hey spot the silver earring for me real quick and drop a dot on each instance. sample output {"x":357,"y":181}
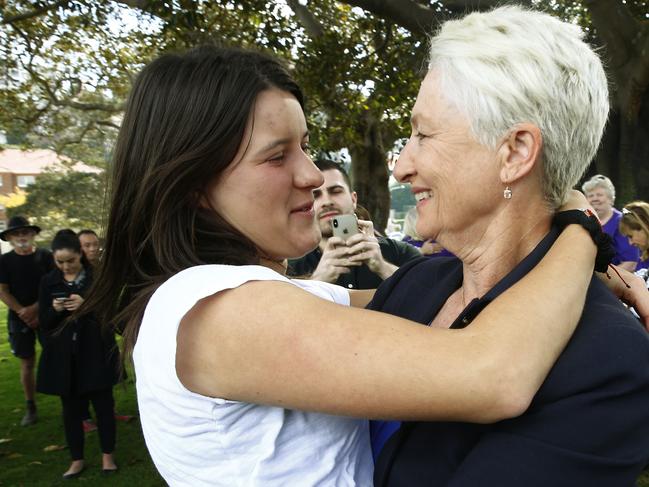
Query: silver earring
{"x":507,"y":194}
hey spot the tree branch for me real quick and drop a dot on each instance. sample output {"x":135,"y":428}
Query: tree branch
{"x":107,"y":123}
{"x":33,"y":13}
{"x":65,"y":141}
{"x":423,"y":20}
{"x":56,"y":101}
{"x":616,"y":27}
{"x":411,"y":15}
{"x":626,"y":41}
{"x":306,"y":19}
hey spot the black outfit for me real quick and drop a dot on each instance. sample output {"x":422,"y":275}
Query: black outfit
{"x":588,"y":425}
{"x":79,"y":363}
{"x":23,"y":273}
{"x":361,"y":277}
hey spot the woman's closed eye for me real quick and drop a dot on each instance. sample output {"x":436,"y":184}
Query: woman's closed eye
{"x":276,"y":158}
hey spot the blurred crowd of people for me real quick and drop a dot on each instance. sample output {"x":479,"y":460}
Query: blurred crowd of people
{"x":629,"y":227}
{"x":79,"y":361}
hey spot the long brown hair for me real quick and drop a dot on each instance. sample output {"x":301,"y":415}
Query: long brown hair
{"x":184,"y":123}
{"x":635,"y":216}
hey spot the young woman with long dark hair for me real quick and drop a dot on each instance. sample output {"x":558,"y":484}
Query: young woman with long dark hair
{"x":80,"y":358}
{"x":211,"y":192}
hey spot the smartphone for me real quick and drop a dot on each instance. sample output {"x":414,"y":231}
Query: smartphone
{"x":61,"y":295}
{"x":344,"y":226}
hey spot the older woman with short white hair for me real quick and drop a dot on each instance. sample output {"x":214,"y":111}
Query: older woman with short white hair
{"x":600,"y":192}
{"x":507,"y":119}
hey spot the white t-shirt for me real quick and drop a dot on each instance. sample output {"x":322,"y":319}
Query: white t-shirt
{"x":197,"y":440}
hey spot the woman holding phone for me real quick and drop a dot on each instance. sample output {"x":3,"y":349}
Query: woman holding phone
{"x":241,"y":370}
{"x":80,"y":359}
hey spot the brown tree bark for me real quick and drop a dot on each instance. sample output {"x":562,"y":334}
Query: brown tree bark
{"x":369,"y":171}
{"x":626,"y":46}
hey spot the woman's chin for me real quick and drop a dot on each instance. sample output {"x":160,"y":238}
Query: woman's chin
{"x":305,"y":246}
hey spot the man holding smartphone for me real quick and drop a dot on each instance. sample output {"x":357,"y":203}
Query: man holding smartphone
{"x":359,"y":261}
{"x":20,"y":275}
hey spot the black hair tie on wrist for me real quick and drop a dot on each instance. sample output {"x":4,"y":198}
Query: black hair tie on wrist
{"x":587,"y":219}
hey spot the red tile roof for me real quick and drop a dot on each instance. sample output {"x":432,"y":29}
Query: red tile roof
{"x":18,"y":161}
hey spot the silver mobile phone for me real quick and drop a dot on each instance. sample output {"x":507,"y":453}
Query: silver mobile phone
{"x":344,"y":226}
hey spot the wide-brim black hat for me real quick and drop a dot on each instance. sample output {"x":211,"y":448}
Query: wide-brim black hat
{"x":17,"y":223}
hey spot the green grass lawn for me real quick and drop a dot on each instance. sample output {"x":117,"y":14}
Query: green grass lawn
{"x":23,"y":460}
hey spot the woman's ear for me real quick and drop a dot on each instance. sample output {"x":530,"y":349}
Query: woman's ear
{"x":520,"y":152}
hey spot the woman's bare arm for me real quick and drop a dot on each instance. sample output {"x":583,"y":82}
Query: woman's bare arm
{"x":272,"y":343}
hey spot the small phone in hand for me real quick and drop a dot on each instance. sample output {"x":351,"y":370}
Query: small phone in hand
{"x":61,"y":295}
{"x":344,"y":226}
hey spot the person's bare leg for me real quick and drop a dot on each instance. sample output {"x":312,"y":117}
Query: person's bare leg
{"x":108,"y":462}
{"x":75,"y":468}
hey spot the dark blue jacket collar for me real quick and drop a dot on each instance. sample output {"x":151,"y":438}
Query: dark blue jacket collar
{"x":527,"y":264}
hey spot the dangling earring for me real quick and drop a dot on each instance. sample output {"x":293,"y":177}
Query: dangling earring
{"x":507,"y":194}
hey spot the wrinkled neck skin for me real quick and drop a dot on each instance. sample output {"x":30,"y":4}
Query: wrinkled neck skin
{"x":491,"y":248}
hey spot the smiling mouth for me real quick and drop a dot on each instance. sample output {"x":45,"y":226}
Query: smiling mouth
{"x":304,"y":209}
{"x":423,"y":195}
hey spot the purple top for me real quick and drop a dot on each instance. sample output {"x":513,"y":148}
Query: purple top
{"x":419,"y":243}
{"x":642,"y":264}
{"x":624,"y":251}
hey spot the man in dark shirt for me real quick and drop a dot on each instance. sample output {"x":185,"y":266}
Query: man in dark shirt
{"x":20,"y":275}
{"x":332,"y":260}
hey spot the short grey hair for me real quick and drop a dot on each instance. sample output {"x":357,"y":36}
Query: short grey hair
{"x":512,"y":65}
{"x":600,"y":181}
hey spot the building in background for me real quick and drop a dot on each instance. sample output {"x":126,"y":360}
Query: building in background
{"x":21,"y":168}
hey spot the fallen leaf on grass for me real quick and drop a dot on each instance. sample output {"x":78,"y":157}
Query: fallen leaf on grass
{"x":17,"y":410}
{"x":35,"y":463}
{"x":54,"y":448}
{"x":4,"y":440}
{"x":14,"y":455}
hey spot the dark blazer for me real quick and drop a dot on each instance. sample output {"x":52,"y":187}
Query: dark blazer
{"x":77,"y":357}
{"x":588,"y":425}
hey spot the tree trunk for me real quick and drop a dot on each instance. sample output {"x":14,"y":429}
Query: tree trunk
{"x":369,"y":172}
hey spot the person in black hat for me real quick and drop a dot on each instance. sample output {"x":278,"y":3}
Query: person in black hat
{"x":20,"y":275}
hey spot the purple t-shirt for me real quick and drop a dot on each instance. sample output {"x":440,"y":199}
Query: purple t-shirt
{"x":624,"y":251}
{"x":419,"y":243}
{"x":642,"y":264}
